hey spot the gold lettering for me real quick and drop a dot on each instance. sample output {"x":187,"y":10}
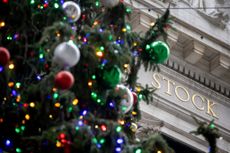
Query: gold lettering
{"x":156,"y":78}
{"x":185,"y":91}
{"x":194,"y":102}
{"x":210,"y":106}
{"x":169,"y":85}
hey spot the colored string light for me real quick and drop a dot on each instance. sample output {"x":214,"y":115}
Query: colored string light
{"x":138,"y":151}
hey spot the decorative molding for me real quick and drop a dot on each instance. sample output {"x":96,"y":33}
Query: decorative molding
{"x":198,"y":78}
{"x":220,"y":65}
{"x":193,"y":51}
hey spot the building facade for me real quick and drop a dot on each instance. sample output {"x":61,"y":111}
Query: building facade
{"x":195,"y":81}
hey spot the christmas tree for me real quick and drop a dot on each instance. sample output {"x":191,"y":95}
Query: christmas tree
{"x":68,"y":76}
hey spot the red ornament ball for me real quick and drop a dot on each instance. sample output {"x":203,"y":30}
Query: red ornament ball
{"x":4,"y":56}
{"x":64,"y":80}
{"x":135,"y":98}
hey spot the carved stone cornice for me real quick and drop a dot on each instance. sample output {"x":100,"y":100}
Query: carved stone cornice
{"x":215,"y":89}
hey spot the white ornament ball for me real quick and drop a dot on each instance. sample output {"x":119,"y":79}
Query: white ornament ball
{"x":110,"y":3}
{"x":66,"y":54}
{"x":72,"y":11}
{"x":127,"y":99}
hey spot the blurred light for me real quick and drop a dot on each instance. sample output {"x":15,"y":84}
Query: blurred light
{"x":57,"y":105}
{"x":17,"y":130}
{"x":58,"y":144}
{"x":80,"y":123}
{"x":90,"y":83}
{"x":152,"y":23}
{"x":62,"y":135}
{"x":93,"y":77}
{"x":98,"y":145}
{"x":75,"y":102}
{"x":99,"y":54}
{"x":27,"y":117}
{"x":11,"y":66}
{"x":32,"y":2}
{"x":55,"y":96}
{"x":126,"y":66}
{"x":38,"y":77}
{"x":111,"y":104}
{"x":32,"y":104}
{"x":7,"y":143}
{"x":119,"y":128}
{"x":14,"y":93}
{"x":122,"y":122}
{"x":102,"y":141}
{"x":84,"y":112}
{"x":1,"y":68}
{"x":18,"y":150}
{"x":103,"y":127}
{"x":11,"y":84}
{"x":138,"y":151}
{"x":120,"y":141}
{"x":18,"y":85}
{"x":56,"y":5}
{"x":2,"y":24}
{"x":5,"y":1}
{"x":118,"y":149}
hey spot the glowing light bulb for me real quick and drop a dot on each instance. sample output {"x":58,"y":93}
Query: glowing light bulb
{"x":134,"y":113}
{"x":62,"y":135}
{"x":2,"y":24}
{"x":58,"y":144}
{"x":75,"y":102}
{"x":103,"y":128}
{"x":50,"y":116}
{"x":32,"y":104}
{"x":120,"y":141}
{"x":118,"y":149}
{"x":27,"y":117}
{"x":1,"y":120}
{"x":57,"y":105}
{"x":126,"y":66}
{"x":99,"y":54}
{"x":18,"y":150}
{"x":11,"y":84}
{"x":90,"y":83}
{"x":138,"y":151}
{"x":56,"y":5}
{"x":8,"y":142}
{"x":11,"y":66}
{"x":119,"y":128}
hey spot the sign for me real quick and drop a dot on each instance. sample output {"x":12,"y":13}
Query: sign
{"x":184,"y":95}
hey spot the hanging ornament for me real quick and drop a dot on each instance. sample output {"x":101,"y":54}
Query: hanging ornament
{"x":127,"y":98}
{"x":133,"y":127}
{"x":110,"y":76}
{"x":4,"y":56}
{"x":135,"y":98}
{"x":159,"y":51}
{"x":64,"y":80}
{"x":110,"y":3}
{"x":66,"y":54}
{"x":72,"y":10}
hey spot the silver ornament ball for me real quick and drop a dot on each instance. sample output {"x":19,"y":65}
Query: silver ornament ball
{"x":72,"y":10}
{"x":66,"y":54}
{"x":127,"y":101}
